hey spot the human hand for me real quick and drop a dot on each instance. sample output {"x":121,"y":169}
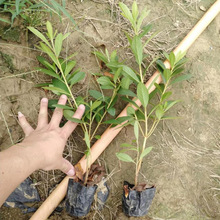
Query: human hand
{"x":45,"y":144}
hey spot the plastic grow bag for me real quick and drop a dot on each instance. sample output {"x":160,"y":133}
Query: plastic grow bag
{"x":137,"y":203}
{"x":79,"y":198}
{"x":102,"y":195}
{"x":26,"y":192}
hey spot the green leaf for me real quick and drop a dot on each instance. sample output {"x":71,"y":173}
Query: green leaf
{"x":59,"y":84}
{"x":47,"y":50}
{"x":130,"y":110}
{"x":124,"y":157}
{"x":66,"y":35}
{"x":96,"y":104}
{"x":126,"y":92}
{"x":117,"y":74}
{"x":101,"y":56}
{"x":137,"y":49}
{"x":136,"y":130}
{"x":76,"y":78}
{"x":62,"y":106}
{"x":58,"y":44}
{"x":159,"y":87}
{"x":39,"y":35}
{"x":167,"y":74}
{"x":126,"y":145}
{"x":52,"y":88}
{"x":58,"y":7}
{"x":181,"y":78}
{"x":69,"y":67}
{"x":104,"y":81}
{"x":144,"y":14}
{"x":49,"y":72}
{"x":171,"y":104}
{"x":142,"y":94}
{"x":130,"y":101}
{"x":129,"y":38}
{"x":134,"y":11}
{"x":118,"y":120}
{"x":160,"y":65}
{"x":52,"y":102}
{"x":111,"y":111}
{"x":126,"y":13}
{"x":68,"y":113}
{"x":180,"y":55}
{"x":166,"y":95}
{"x":159,"y":112}
{"x":97,"y":137}
{"x":87,"y":139}
{"x":42,"y":84}
{"x":172,"y":59}
{"x":3,"y":20}
{"x":43,"y":61}
{"x":140,"y":115}
{"x":17,"y":4}
{"x":145,"y":152}
{"x":75,"y":120}
{"x":125,"y":82}
{"x":166,"y":55}
{"x":129,"y":72}
{"x":96,"y":94}
{"x":145,"y":30}
{"x":177,"y":71}
{"x":49,"y":30}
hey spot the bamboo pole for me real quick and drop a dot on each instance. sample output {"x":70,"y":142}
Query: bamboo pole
{"x":100,"y":145}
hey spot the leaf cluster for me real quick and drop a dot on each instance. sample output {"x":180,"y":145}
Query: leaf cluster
{"x":30,"y":10}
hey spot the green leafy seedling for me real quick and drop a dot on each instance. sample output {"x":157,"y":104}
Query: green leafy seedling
{"x":65,"y":76}
{"x":155,"y":112}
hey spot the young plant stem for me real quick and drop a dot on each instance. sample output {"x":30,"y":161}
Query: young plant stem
{"x":100,"y":122}
{"x":87,"y":168}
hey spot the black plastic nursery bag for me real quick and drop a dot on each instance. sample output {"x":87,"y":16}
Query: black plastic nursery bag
{"x":26,"y":192}
{"x":79,"y":198}
{"x":137,"y":203}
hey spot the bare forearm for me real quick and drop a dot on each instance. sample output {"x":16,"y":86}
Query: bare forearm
{"x":16,"y":165}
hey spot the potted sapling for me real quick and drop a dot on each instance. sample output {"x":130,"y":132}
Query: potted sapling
{"x":81,"y":190}
{"x":137,"y":196}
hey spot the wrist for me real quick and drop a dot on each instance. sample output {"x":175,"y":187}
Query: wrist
{"x":27,"y":156}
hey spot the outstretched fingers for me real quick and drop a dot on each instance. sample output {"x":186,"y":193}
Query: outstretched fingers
{"x":43,"y":114}
{"x":24,"y":124}
{"x":58,"y":112}
{"x":69,"y":127}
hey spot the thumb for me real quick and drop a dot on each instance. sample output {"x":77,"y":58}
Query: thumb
{"x":67,"y":167}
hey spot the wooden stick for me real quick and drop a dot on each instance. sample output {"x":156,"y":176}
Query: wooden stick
{"x":59,"y":193}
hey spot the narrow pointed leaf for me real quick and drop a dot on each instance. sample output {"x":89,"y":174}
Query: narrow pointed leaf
{"x":145,"y":152}
{"x":39,"y":35}
{"x":58,"y":44}
{"x":77,"y":77}
{"x":142,"y":94}
{"x":124,"y":157}
{"x":49,"y":72}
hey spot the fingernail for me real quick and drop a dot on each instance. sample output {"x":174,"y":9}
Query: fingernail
{"x":63,"y":96}
{"x":20,"y":115}
{"x":81,"y":106}
{"x":71,"y":172}
{"x":44,"y":100}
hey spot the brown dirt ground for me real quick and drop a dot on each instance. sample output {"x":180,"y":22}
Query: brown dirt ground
{"x":185,"y":161}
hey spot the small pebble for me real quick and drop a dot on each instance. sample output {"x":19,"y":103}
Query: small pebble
{"x":202,"y":8}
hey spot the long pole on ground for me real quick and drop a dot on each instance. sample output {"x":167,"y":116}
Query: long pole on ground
{"x":59,"y":193}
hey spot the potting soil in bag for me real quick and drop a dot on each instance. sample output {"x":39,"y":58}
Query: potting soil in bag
{"x":136,"y":203}
{"x":79,"y":198}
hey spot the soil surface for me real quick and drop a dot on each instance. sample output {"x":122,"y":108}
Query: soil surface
{"x":184,"y":164}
